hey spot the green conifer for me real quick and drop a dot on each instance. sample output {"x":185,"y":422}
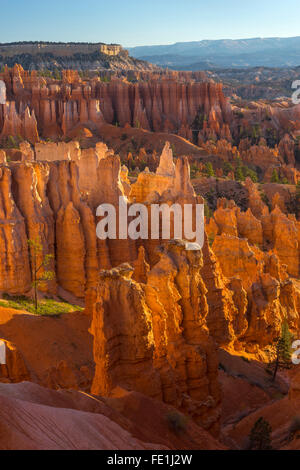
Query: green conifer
{"x":260,"y":436}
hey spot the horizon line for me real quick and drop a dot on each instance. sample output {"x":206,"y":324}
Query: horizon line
{"x":148,"y":45}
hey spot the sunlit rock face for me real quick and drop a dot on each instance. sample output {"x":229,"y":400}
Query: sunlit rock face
{"x":56,"y":199}
{"x":153,"y":337}
{"x":158,"y":103}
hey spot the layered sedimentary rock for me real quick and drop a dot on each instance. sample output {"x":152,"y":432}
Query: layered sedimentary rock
{"x":22,"y":123}
{"x":249,"y":227}
{"x":166,"y":165}
{"x":57,"y":201}
{"x":153,"y":337}
{"x":226,"y":318}
{"x":238,"y":240}
{"x":263,"y":155}
{"x":14,"y":370}
{"x":77,"y":248}
{"x":284,"y":234}
{"x":2,"y":156}
{"x":56,"y":108}
{"x":42,"y":202}
{"x":70,"y":250}
{"x":15,"y":276}
{"x":29,"y":190}
{"x":141,"y":267}
{"x":237,"y":259}
{"x":181,"y":103}
{"x":226,"y":313}
{"x":50,"y":151}
{"x":261,"y":228}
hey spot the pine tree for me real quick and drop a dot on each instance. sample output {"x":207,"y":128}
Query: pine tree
{"x":275,"y":177}
{"x":238,"y":174}
{"x":248,"y":172}
{"x":260,"y":436}
{"x":209,"y":170}
{"x":36,"y":254}
{"x":283,"y":350}
{"x":227,"y":168}
{"x":287,"y":339}
{"x":207,"y":212}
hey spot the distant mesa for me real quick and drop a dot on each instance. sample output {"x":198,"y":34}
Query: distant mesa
{"x":66,"y":49}
{"x":71,"y":55}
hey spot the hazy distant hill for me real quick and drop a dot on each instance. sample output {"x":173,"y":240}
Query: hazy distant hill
{"x":201,"y":55}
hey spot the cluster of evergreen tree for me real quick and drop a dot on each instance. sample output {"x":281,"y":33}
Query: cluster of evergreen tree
{"x":242,"y":172}
{"x":276,"y":179}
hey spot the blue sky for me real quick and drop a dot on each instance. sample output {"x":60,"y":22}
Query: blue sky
{"x":145,"y":22}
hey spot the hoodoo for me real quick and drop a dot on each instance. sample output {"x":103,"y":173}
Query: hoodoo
{"x":149,"y":237}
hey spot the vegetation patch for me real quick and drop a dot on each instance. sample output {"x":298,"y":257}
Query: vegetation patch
{"x":46,"y":307}
{"x":260,"y":436}
{"x":177,"y":422}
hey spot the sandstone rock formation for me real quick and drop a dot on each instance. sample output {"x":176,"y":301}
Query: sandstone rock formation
{"x":2,"y":156}
{"x":164,"y":349}
{"x":166,"y":165}
{"x":163,"y":104}
{"x":269,"y":295}
{"x":15,"y":370}
{"x":226,"y":316}
{"x":14,"y":265}
{"x":160,"y":316}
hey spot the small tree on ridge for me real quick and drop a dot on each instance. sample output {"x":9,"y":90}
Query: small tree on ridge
{"x":39,"y":278}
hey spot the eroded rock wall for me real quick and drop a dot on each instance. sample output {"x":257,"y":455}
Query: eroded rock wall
{"x":153,"y":337}
{"x":51,"y":108}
